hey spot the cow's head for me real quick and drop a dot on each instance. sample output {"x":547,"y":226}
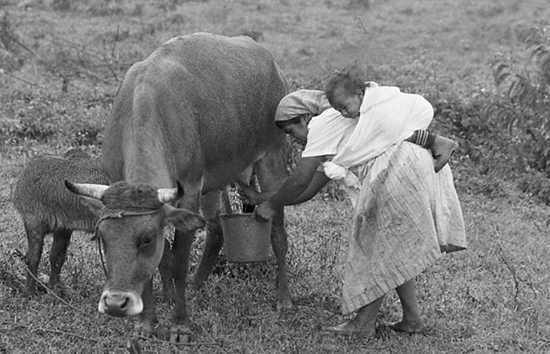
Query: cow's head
{"x":129,"y":226}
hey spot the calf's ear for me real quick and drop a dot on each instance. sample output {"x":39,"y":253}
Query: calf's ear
{"x":183,"y":219}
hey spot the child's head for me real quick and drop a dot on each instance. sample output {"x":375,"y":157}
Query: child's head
{"x":345,"y":91}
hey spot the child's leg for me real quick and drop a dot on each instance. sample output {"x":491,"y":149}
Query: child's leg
{"x":363,"y":323}
{"x":440,"y":147}
{"x":411,"y":321}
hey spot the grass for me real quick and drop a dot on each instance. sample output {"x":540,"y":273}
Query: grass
{"x":491,"y":298}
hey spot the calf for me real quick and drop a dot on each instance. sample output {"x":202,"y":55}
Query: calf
{"x":46,"y":206}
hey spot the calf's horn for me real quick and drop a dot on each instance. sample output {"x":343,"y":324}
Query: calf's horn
{"x":87,"y":189}
{"x":167,"y":195}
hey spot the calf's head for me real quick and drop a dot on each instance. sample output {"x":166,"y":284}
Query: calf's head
{"x":129,"y":226}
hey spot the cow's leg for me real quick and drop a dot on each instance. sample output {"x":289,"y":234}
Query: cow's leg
{"x":183,"y":239}
{"x":279,"y":241}
{"x":58,"y":253}
{"x":165,"y":269}
{"x":182,"y":246}
{"x":35,"y":241}
{"x":144,"y":327}
{"x":271,"y":172}
{"x":214,"y":238}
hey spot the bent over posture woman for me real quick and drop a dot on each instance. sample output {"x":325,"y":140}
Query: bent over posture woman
{"x":405,"y":213}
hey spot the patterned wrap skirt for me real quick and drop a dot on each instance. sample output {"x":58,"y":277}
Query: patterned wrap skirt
{"x":405,"y":217}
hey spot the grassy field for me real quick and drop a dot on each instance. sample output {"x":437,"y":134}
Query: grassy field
{"x":62,"y":62}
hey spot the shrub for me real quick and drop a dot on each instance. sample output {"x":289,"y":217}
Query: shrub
{"x":7,"y":33}
{"x":42,"y":117}
{"x":61,"y":5}
{"x":104,"y":8}
{"x":537,"y":185}
{"x":521,"y":110}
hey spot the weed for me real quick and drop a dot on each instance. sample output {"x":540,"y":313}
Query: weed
{"x":7,"y":32}
{"x":61,"y":5}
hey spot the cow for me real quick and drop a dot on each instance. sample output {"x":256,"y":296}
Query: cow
{"x":46,"y":206}
{"x":195,"y":115}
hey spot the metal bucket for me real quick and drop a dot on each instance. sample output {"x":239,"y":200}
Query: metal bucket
{"x":246,"y":239}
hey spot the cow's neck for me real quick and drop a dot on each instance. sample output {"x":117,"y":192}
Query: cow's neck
{"x":146,"y":158}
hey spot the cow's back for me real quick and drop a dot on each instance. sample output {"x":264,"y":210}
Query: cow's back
{"x":213,"y":96}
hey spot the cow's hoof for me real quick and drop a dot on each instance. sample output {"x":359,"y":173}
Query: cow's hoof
{"x":180,"y":334}
{"x":34,"y":290}
{"x":284,"y":304}
{"x":60,"y":289}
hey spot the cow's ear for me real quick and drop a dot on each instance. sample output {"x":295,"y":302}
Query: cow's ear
{"x":93,"y":205}
{"x":183,"y":219}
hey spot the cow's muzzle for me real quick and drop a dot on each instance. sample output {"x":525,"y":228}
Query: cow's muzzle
{"x":120,"y":303}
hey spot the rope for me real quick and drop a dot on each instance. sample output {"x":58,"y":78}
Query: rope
{"x":131,"y":345}
{"x":117,"y":215}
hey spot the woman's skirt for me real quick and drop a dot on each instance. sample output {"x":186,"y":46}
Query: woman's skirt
{"x":405,"y":216}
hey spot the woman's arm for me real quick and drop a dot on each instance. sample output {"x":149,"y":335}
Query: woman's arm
{"x":298,"y":181}
{"x":293,"y":187}
{"x":318,"y":181}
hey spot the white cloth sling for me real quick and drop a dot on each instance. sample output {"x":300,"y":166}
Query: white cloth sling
{"x":387,"y":117}
{"x":327,"y":132}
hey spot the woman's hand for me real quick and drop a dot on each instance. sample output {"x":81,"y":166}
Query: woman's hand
{"x":253,"y":197}
{"x":265,"y":211}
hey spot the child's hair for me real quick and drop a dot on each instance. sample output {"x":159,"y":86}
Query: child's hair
{"x":351,"y":78}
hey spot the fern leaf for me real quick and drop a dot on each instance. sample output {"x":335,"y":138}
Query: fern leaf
{"x":540,"y":55}
{"x":501,"y":71}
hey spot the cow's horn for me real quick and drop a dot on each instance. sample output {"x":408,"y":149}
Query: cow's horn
{"x":87,"y":189}
{"x":167,"y":195}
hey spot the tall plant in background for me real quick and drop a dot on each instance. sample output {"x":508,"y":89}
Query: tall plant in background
{"x":523,"y":109}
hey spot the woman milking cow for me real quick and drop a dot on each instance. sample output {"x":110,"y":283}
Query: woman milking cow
{"x":406,"y":210}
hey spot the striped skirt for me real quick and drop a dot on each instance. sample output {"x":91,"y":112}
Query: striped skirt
{"x":405,"y":216}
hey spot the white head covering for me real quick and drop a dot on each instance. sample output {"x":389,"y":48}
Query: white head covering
{"x":301,"y":102}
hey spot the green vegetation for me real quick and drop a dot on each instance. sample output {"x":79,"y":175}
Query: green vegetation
{"x":484,"y":65}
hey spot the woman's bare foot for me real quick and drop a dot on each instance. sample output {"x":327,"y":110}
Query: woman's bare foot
{"x":408,"y":326}
{"x":363,"y":324}
{"x":350,"y":328}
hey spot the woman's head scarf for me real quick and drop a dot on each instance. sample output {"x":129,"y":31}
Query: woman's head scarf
{"x":301,"y":102}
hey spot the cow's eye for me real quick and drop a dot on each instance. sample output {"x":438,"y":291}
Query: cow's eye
{"x":145,"y":241}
